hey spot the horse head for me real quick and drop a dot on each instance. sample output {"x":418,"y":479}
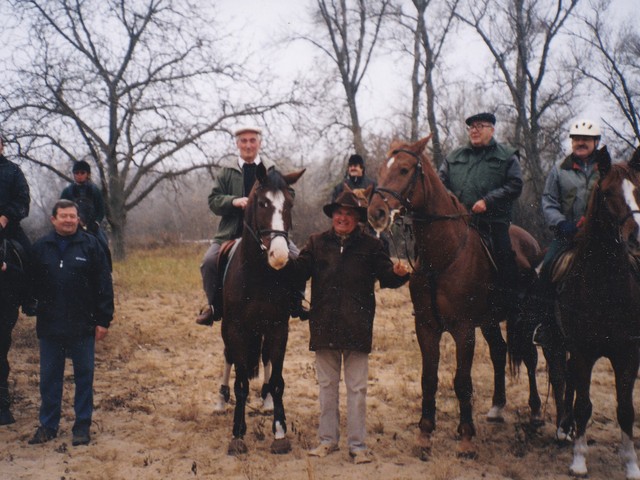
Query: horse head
{"x":268,"y":213}
{"x":616,"y":199}
{"x":398,"y":178}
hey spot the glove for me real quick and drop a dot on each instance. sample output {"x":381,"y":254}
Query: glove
{"x":566,"y":229}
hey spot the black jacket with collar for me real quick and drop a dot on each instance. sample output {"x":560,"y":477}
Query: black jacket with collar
{"x":73,"y":288}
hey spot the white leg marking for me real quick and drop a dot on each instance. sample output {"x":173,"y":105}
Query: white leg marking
{"x":279,"y":431}
{"x":629,"y":457}
{"x":495,"y":413}
{"x":267,"y":404}
{"x":579,"y":465}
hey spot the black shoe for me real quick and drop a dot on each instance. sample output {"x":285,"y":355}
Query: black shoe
{"x":81,"y":436}
{"x":5,"y":417}
{"x":43,"y":435}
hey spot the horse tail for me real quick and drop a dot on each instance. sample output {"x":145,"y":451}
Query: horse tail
{"x":518,"y":341}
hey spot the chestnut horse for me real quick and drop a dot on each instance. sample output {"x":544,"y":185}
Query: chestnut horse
{"x":599,"y":303}
{"x":256,"y":300}
{"x":450,"y":286}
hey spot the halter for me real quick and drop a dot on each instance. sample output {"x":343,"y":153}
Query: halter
{"x":258,"y":234}
{"x":405,"y":199}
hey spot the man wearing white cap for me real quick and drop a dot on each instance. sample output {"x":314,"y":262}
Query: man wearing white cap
{"x":228,"y":199}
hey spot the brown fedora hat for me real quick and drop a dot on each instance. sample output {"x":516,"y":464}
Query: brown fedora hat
{"x":347,"y":199}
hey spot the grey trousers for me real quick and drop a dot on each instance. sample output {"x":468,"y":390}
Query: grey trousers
{"x":356,"y":368}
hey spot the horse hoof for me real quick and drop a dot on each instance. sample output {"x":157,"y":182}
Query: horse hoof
{"x":536,"y":421}
{"x":495,"y":415}
{"x":466,"y":450}
{"x":280,"y":446}
{"x":578,"y":474}
{"x":423,"y":446}
{"x":237,"y":447}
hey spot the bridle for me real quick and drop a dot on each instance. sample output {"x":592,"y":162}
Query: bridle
{"x":258,"y":234}
{"x":405,"y":198}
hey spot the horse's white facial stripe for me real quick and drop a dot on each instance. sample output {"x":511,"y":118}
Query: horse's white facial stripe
{"x":390,"y":162}
{"x":277,"y":200}
{"x":629,"y":189}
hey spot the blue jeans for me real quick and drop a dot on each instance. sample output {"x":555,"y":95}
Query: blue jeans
{"x":53,"y":353}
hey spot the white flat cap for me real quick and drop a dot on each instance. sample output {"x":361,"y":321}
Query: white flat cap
{"x":247,"y":128}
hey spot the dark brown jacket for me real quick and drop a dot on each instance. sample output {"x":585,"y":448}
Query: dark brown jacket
{"x":342,"y":288}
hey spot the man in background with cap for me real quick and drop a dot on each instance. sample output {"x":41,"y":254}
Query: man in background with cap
{"x":485,"y":176}
{"x":355,"y":177}
{"x":228,"y":199}
{"x":343,"y":264}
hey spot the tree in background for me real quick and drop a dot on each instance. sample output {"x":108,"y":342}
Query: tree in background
{"x":612,"y":66}
{"x":426,"y":50}
{"x":348,"y":33}
{"x":138,"y":88}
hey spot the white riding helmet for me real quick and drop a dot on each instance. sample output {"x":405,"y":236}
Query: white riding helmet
{"x":584,"y":128}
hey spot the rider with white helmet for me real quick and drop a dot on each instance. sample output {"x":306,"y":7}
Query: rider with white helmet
{"x":565,"y":198}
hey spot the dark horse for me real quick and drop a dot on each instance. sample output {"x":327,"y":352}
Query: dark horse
{"x":450,"y":286}
{"x":599,"y":303}
{"x":256,"y":300}
{"x":12,"y":291}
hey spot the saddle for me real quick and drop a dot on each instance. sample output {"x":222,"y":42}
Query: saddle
{"x":562,"y":264}
{"x":227,"y":249}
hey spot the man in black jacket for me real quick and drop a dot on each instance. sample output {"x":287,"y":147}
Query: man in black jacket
{"x":74,"y":292}
{"x":14,"y":206}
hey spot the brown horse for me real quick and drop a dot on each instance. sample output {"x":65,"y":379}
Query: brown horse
{"x":256,"y":300}
{"x":599,"y":303}
{"x":450,"y":286}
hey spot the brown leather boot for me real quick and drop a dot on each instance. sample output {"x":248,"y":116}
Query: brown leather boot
{"x":205,"y":317}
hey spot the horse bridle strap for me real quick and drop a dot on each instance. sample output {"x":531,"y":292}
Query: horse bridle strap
{"x":403,"y":199}
{"x":257,"y":236}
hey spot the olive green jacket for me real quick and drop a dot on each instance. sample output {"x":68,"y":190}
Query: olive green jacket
{"x":491,"y":173}
{"x":228,"y":186}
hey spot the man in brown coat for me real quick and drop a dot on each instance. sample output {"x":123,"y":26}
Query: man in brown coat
{"x":344,"y":264}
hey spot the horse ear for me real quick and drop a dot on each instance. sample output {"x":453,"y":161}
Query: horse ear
{"x":604,"y":161}
{"x":367,"y":192}
{"x":346,"y":188}
{"x":635,"y":160}
{"x":292,"y":178}
{"x":422,"y":143}
{"x":261,"y":172}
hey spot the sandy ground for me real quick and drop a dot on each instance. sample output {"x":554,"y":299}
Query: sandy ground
{"x":156,"y":377}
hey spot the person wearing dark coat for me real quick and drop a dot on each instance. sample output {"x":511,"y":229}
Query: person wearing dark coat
{"x":73,"y":289}
{"x":486,"y":177}
{"x":14,"y":207}
{"x":354,"y":178}
{"x":344,"y":264}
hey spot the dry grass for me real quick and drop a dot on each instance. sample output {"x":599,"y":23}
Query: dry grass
{"x":157,"y":373}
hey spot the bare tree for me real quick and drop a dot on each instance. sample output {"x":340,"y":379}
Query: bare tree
{"x":519,"y":34}
{"x":612,"y":65}
{"x":351,"y":30}
{"x":137,"y":87}
{"x":429,"y":26}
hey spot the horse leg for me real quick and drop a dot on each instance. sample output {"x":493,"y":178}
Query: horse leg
{"x":562,"y":386}
{"x":581,"y":371}
{"x":530,"y":358}
{"x":465,"y":344}
{"x":265,"y":393}
{"x":241,"y":390}
{"x":429,"y":341}
{"x":498,"y":354}
{"x":281,"y":443}
{"x":224,"y":394}
{"x":625,"y":366}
